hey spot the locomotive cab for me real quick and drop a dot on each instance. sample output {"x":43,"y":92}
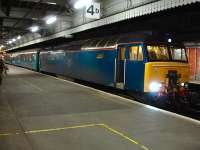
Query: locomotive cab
{"x":166,"y":69}
{"x":156,"y":68}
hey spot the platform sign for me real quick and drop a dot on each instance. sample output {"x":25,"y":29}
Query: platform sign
{"x":93,"y":11}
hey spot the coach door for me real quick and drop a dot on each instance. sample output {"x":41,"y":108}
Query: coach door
{"x":121,"y":66}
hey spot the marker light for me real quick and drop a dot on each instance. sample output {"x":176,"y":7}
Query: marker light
{"x":19,"y":37}
{"x":81,"y":3}
{"x":155,"y":86}
{"x":34,"y":28}
{"x":169,"y":40}
{"x":51,"y":20}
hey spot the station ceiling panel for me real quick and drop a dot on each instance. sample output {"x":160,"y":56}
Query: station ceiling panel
{"x":17,"y":16}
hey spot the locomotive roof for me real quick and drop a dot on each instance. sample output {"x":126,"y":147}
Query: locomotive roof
{"x":112,"y":41}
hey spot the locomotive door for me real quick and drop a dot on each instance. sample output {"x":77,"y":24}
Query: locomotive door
{"x":120,"y":66}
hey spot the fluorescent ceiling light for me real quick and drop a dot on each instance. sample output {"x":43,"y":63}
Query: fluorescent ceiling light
{"x":51,"y":19}
{"x":51,"y":3}
{"x":13,"y":40}
{"x":18,"y":37}
{"x":34,"y":28}
{"x":10,"y":42}
{"x":81,"y":3}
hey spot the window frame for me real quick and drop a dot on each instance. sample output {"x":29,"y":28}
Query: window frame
{"x":169,"y":51}
{"x":140,"y":47}
{"x":162,"y":60}
{"x":181,"y":47}
{"x":120,"y":54}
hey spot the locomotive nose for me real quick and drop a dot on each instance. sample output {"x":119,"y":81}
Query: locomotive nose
{"x":160,"y":76}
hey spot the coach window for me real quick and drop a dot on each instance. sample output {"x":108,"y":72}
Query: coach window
{"x":135,"y":53}
{"x":33,"y":57}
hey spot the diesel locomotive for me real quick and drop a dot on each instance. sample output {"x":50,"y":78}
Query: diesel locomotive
{"x":133,"y":62}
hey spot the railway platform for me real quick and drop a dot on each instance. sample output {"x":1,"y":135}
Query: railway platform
{"x":40,"y":112}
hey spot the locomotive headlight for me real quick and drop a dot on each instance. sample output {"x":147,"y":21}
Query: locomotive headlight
{"x":182,"y":84}
{"x":155,"y":86}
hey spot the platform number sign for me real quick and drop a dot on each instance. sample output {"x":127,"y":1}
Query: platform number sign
{"x":93,"y":10}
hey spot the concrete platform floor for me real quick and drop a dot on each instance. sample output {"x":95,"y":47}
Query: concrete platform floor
{"x":38,"y":112}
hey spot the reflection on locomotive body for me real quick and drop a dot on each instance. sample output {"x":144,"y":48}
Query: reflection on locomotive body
{"x":136,"y":62}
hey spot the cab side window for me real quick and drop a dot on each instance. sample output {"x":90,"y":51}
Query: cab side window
{"x":122,"y":54}
{"x":135,"y":53}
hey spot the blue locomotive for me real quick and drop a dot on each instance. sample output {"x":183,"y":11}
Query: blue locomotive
{"x":136,"y":62}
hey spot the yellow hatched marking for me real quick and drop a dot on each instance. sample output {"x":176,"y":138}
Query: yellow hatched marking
{"x":125,"y":137}
{"x":144,"y":147}
{"x":121,"y":134}
{"x":5,"y":134}
{"x":8,"y":134}
{"x":80,"y":126}
{"x":63,"y":128}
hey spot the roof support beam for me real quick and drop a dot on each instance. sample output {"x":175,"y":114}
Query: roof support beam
{"x":22,"y":19}
{"x":8,"y":28}
{"x":30,"y":4}
{"x":6,"y":10}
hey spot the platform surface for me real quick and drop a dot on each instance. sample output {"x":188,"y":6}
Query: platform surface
{"x":39,"y":112}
